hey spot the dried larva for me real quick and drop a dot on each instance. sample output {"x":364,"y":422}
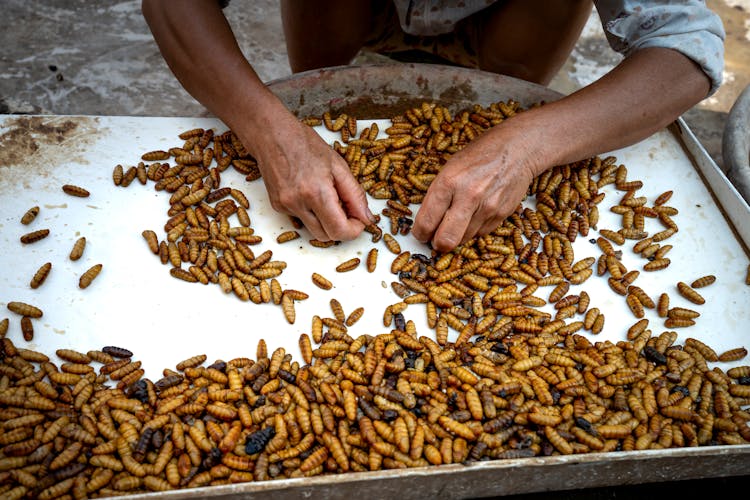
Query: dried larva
{"x":156,"y":155}
{"x":287,"y":306}
{"x":733,"y":354}
{"x":662,"y":306}
{"x":40,"y":275}
{"x":635,"y":305}
{"x":305,"y":347}
{"x":117,"y":352}
{"x":337,"y":309}
{"x":663,"y":198}
{"x":690,"y":294}
{"x":27,"y":329}
{"x":392,"y":244}
{"x":74,"y":190}
{"x":151,"y":240}
{"x":240,"y":197}
{"x":321,"y":282}
{"x":34,"y":236}
{"x":678,"y":322}
{"x":4,"y":327}
{"x":703,"y":281}
{"x":89,"y":275}
{"x":354,"y":316}
{"x":323,"y":244}
{"x":657,"y":264}
{"x":77,"y":251}
{"x":348,"y":265}
{"x":25,"y":309}
{"x":117,"y":174}
{"x":372,"y":260}
{"x":287,"y":236}
{"x":30,"y":215}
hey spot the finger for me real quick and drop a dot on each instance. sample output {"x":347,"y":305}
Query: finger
{"x":436,"y":203}
{"x":352,"y":196}
{"x":453,"y":227}
{"x":312,"y":224}
{"x":333,"y":219}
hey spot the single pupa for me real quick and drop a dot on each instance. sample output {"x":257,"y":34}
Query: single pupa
{"x":74,"y":190}
{"x":30,"y":215}
{"x":89,"y":276}
{"x":77,"y":251}
{"x":40,"y":275}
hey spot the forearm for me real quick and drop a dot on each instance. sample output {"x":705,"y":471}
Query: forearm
{"x":197,"y":43}
{"x":643,"y":94}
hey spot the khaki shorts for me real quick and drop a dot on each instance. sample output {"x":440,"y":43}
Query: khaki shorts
{"x":458,"y":47}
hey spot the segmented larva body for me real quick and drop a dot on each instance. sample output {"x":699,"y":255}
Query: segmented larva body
{"x":157,"y":155}
{"x":321,"y":281}
{"x":89,"y":275}
{"x":348,"y":265}
{"x":29,"y":216}
{"x":287,"y":236}
{"x":77,"y":251}
{"x":40,"y":275}
{"x":34,"y":236}
{"x":703,"y":281}
{"x":74,"y":190}
{"x":25,"y":309}
{"x":690,"y":294}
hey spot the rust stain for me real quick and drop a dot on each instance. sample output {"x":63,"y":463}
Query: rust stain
{"x":44,"y":140}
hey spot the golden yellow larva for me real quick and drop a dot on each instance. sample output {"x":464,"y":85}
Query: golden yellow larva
{"x":40,"y":275}
{"x":74,"y":190}
{"x":34,"y":236}
{"x":30,"y":215}
{"x":89,"y":275}
{"x":77,"y":251}
{"x":348,"y":265}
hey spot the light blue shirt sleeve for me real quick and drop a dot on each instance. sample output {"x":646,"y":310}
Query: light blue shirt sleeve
{"x":687,"y":26}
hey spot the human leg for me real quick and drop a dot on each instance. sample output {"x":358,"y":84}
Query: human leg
{"x":324,"y":33}
{"x":529,"y":39}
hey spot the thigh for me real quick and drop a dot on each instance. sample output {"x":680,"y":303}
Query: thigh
{"x":324,"y":33}
{"x":529,"y":39}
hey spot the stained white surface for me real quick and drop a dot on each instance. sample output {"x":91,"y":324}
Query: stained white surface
{"x":135,"y":303}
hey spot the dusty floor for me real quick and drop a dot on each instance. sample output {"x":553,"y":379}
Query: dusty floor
{"x":98,"y":58}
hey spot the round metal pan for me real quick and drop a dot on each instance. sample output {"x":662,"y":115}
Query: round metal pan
{"x":381,"y":91}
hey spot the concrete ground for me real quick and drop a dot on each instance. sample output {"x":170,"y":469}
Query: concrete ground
{"x":98,"y":58}
{"x":74,"y":57}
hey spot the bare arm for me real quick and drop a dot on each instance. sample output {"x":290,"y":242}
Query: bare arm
{"x":485,"y":182}
{"x":198,"y":45}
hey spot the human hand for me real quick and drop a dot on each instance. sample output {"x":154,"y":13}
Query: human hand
{"x":306,"y":178}
{"x":474,"y":192}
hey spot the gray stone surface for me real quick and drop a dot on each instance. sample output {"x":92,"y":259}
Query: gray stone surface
{"x":98,"y":58}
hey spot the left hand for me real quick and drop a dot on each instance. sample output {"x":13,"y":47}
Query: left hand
{"x":475,"y":191}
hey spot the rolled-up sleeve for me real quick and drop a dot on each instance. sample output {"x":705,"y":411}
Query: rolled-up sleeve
{"x":687,"y":26}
